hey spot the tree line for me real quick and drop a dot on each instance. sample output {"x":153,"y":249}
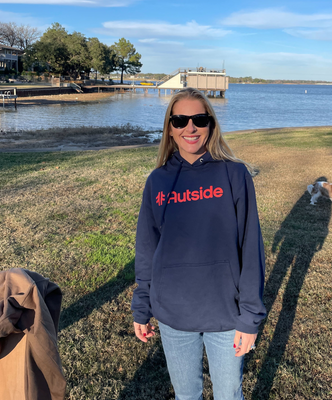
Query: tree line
{"x":250,"y":79}
{"x":63,"y":53}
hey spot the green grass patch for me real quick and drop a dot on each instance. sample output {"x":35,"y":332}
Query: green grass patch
{"x":106,"y":255}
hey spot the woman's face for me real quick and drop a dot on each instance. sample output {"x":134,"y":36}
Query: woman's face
{"x":191,"y":140}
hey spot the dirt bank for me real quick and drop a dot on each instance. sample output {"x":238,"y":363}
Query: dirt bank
{"x":63,"y":99}
{"x":78,"y":138}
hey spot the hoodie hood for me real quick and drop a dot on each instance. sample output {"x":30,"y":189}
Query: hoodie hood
{"x":177,"y":158}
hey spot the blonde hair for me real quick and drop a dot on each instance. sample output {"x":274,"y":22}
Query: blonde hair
{"x":216,"y":145}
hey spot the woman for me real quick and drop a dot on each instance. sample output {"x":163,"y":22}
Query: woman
{"x":199,"y":253}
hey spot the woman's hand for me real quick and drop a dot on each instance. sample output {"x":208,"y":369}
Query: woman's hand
{"x":143,"y":332}
{"x":248,"y":340}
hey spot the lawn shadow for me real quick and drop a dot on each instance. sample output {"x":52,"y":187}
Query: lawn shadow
{"x":151,"y":379}
{"x":302,"y":234}
{"x":106,"y":293}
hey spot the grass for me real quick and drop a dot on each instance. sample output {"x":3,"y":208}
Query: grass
{"x":300,"y":138}
{"x":72,"y":217}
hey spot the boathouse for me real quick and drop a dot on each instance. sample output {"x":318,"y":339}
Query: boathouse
{"x":209,"y":81}
{"x":9,"y":57}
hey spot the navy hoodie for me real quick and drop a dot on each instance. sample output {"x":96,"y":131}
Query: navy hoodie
{"x":199,"y":251}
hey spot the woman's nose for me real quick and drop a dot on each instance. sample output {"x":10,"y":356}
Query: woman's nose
{"x":191,"y":127}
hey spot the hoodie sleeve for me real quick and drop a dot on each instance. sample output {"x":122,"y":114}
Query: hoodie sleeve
{"x":147,"y":238}
{"x":252,"y":259}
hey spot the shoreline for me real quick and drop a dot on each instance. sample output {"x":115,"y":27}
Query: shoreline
{"x":83,"y":139}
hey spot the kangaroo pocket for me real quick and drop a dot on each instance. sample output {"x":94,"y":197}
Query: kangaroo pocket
{"x":200,"y":292}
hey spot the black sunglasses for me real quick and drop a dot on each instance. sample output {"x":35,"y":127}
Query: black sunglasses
{"x":199,"y":120}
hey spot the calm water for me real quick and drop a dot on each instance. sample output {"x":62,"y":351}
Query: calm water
{"x":245,"y":107}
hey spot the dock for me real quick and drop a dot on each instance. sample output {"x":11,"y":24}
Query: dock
{"x":8,"y":94}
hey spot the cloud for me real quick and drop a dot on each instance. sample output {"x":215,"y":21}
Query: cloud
{"x":189,"y":30}
{"x":154,"y":40}
{"x":86,"y":3}
{"x":23,"y":19}
{"x":276,"y":18}
{"x":312,"y":34}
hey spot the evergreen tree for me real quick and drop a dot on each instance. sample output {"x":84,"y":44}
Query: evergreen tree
{"x":79,"y":54}
{"x":102,"y":57}
{"x":52,"y":48}
{"x":126,"y":58}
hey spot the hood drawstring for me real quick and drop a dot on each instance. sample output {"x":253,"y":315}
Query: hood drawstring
{"x":173,"y":186}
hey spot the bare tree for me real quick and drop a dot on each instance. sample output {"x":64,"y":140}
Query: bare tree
{"x":26,"y":35}
{"x":8,"y":33}
{"x":17,"y":36}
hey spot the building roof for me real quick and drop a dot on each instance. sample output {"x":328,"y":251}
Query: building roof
{"x":2,"y":46}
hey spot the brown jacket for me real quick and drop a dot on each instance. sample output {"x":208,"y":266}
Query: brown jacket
{"x":29,"y":317}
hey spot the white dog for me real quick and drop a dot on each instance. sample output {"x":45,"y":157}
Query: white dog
{"x":320,"y":189}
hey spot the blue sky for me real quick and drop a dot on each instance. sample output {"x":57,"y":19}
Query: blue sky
{"x":265,"y":39}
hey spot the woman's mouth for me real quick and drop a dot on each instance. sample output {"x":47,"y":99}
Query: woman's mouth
{"x":191,"y":139}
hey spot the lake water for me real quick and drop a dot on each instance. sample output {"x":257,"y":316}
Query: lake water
{"x":245,"y":107}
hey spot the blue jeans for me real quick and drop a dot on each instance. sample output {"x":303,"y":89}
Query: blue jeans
{"x":184,"y":356}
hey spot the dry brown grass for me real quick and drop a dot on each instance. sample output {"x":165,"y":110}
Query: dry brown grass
{"x":72,"y":217}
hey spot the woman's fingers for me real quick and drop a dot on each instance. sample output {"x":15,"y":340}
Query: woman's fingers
{"x":237,"y":339}
{"x":247,"y":341}
{"x":150,"y":330}
{"x":143,"y":332}
{"x":140,"y":332}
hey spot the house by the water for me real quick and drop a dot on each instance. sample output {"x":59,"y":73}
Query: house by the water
{"x":9,"y":57}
